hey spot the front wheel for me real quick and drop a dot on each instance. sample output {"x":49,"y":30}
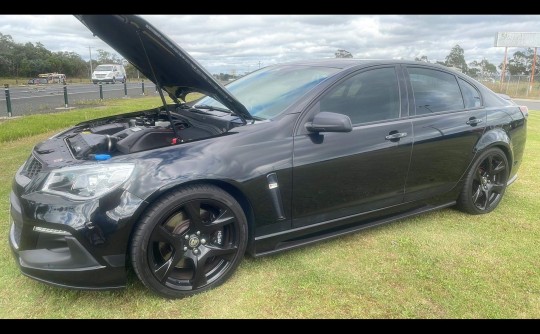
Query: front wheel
{"x":485,"y":183}
{"x":189,"y":241}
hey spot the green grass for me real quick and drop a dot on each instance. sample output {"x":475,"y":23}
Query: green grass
{"x":16,"y":128}
{"x":444,"y":264}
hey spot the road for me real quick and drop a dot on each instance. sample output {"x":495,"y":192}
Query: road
{"x":531,"y":104}
{"x":31,"y":99}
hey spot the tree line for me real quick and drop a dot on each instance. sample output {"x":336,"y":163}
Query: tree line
{"x":520,"y":63}
{"x":28,"y":60}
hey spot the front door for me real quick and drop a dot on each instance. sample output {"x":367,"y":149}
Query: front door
{"x":336,"y":175}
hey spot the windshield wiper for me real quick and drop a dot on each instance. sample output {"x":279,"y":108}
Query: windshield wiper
{"x":205,"y":106}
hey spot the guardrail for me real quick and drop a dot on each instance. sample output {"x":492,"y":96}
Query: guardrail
{"x":23,"y":100}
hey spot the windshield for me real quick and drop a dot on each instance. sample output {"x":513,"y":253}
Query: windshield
{"x":267,"y":92}
{"x":104,"y":68}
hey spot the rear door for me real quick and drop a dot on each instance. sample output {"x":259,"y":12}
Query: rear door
{"x":448,"y":120}
{"x":341,"y":174}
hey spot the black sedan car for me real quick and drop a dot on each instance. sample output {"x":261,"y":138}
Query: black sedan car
{"x":285,"y":156}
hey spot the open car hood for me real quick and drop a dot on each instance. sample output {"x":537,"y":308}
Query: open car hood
{"x":176,"y":71}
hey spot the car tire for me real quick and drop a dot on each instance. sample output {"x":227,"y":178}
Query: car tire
{"x":188,"y":241}
{"x":485,"y":183}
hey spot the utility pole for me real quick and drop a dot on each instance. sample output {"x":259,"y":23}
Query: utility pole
{"x":90,"y":50}
{"x":532,"y":72}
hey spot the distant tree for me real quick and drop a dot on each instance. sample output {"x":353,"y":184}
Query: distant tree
{"x":456,"y":58}
{"x":29,"y":60}
{"x":473,"y":72}
{"x":105,"y":57}
{"x":7,"y":46}
{"x":422,"y":58}
{"x":481,"y":68}
{"x":343,"y":54}
{"x":131,"y":72}
{"x":521,"y":63}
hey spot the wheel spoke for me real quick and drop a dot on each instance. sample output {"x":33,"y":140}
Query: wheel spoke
{"x":162,"y":234}
{"x":497,"y":188}
{"x":165,"y":270}
{"x":193,"y":210}
{"x":490,"y":164}
{"x":499,"y":168}
{"x":224,"y":253}
{"x":487,"y":194}
{"x":199,"y":276}
{"x":225,"y":218}
{"x":477,"y":194}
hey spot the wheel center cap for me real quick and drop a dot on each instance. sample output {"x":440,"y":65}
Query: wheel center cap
{"x":193,"y":241}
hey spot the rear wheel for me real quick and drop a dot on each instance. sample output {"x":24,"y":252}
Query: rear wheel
{"x":189,"y":241}
{"x":485,"y":183}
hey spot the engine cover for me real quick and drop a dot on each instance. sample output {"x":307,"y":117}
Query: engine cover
{"x":137,"y":139}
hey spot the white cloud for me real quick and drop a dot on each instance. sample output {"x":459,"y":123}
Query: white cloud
{"x":225,"y":43}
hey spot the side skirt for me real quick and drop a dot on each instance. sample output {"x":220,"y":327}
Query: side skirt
{"x":293,"y":238}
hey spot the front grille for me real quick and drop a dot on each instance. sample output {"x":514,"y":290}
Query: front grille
{"x":100,"y":75}
{"x":32,"y":168}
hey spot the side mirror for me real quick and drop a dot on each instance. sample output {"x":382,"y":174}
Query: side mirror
{"x":329,"y":122}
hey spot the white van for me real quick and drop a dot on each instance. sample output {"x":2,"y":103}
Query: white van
{"x":109,"y":73}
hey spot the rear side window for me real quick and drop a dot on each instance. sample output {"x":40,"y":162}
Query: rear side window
{"x":369,"y":96}
{"x":470,"y":94}
{"x":434,"y":90}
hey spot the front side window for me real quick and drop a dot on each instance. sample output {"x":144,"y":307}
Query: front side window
{"x":434,"y":90}
{"x":369,"y":96}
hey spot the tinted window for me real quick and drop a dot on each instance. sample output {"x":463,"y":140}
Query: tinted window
{"x":434,"y":90}
{"x":366,"y":97}
{"x":470,"y":94}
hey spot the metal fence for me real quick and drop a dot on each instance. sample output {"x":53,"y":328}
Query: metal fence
{"x":514,"y":85}
{"x":32,"y":99}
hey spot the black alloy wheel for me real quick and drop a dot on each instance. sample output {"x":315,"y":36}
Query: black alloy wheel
{"x":189,"y":241}
{"x":486,"y":183}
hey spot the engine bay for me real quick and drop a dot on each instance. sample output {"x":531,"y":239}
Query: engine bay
{"x":101,"y":139}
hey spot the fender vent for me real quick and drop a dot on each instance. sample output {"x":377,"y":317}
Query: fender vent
{"x":32,"y":168}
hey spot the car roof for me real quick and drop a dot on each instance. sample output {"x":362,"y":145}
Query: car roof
{"x":344,"y":63}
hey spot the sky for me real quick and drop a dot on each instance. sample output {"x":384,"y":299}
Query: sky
{"x":242,"y":43}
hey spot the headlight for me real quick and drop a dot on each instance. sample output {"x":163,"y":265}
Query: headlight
{"x":87,"y":182}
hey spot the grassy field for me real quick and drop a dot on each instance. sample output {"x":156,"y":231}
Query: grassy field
{"x":444,"y":264}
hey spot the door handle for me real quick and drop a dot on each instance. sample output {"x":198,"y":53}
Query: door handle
{"x":396,"y":135}
{"x":474,"y":121}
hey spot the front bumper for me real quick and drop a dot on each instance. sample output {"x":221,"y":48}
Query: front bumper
{"x":96,"y":80}
{"x":72,"y":244}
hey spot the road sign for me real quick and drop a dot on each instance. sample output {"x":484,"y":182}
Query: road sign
{"x":518,"y":39}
